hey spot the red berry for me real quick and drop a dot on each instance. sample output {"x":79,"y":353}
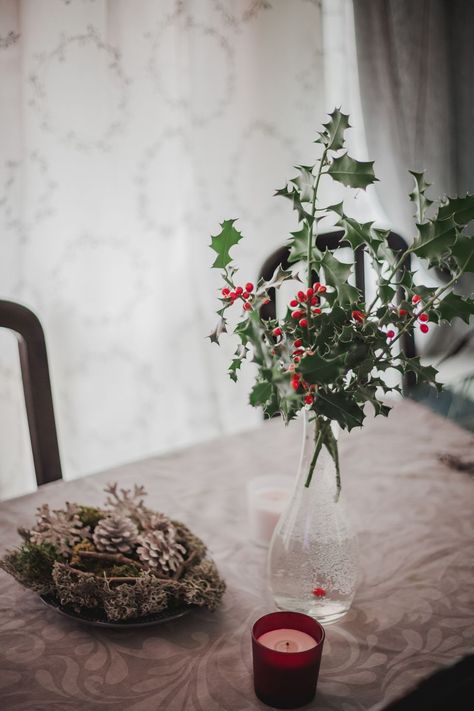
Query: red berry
{"x":266,"y":301}
{"x":402,"y":312}
{"x":232,"y":296}
{"x":298,"y":343}
{"x":358,"y":316}
{"x":424,"y":328}
{"x":298,"y":351}
{"x":295,"y":384}
{"x":390,"y":334}
{"x":316,"y":285}
{"x":297,"y":314}
{"x":296,"y":359}
{"x":314,"y":301}
{"x":319,"y":592}
{"x":294,"y":303}
{"x":301,"y":296}
{"x":309,"y":292}
{"x":249,"y":286}
{"x":309,"y":399}
{"x":316,"y":311}
{"x":238,"y":290}
{"x":277,"y":331}
{"x":424,"y":317}
{"x":245,"y":294}
{"x":415,"y":299}
{"x":322,"y":289}
{"x":225,"y":292}
{"x":303,"y":323}
{"x":247,"y":306}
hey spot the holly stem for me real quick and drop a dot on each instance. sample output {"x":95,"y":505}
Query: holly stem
{"x":319,"y":433}
{"x":313,"y":233}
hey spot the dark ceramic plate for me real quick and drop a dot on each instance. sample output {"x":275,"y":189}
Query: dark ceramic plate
{"x":98,"y":618}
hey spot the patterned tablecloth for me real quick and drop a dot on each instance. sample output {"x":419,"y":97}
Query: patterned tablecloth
{"x":413,"y":612}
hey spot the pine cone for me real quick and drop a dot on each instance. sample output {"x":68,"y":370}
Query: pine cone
{"x":160,"y":550}
{"x":62,"y":528}
{"x":115,"y":534}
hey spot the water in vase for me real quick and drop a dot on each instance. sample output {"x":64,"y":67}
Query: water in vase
{"x":313,"y":556}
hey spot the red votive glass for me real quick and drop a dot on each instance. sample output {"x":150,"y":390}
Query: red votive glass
{"x":286,"y":679}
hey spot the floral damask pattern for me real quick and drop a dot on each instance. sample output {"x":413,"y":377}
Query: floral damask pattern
{"x":413,"y":612}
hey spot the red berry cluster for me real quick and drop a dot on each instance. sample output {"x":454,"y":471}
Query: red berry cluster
{"x":240,"y":292}
{"x":306,"y":299}
{"x":422,"y":316}
{"x":297,"y":383}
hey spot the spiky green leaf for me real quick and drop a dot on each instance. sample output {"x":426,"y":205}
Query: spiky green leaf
{"x":418,"y":197}
{"x":222,"y":243}
{"x":452,"y":305}
{"x":435,"y":239}
{"x":337,"y":275}
{"x":333,"y":135}
{"x":460,"y":209}
{"x":352,"y":173}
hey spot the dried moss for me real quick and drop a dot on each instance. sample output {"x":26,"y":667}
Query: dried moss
{"x":32,"y":565}
{"x":90,"y":516}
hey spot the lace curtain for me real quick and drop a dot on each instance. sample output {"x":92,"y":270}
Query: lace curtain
{"x":128,"y":131}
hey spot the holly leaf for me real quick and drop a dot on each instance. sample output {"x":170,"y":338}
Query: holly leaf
{"x":341,"y":407}
{"x":460,"y":209}
{"x":304,"y":182}
{"x":435,"y":239}
{"x":337,"y":274}
{"x":279,"y":276}
{"x":299,"y":244}
{"x":260,"y":394}
{"x":352,"y":173}
{"x":422,"y":372}
{"x":223,"y":242}
{"x":453,"y":305}
{"x":463,"y":253}
{"x":418,"y":197}
{"x":218,"y":331}
{"x":333,"y":135}
{"x":319,"y":370}
{"x":356,"y":233}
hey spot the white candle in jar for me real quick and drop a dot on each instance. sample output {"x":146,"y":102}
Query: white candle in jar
{"x":267,"y":497}
{"x":287,"y":640}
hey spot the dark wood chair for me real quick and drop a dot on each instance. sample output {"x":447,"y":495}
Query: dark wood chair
{"x":37,"y":388}
{"x":332,"y":241}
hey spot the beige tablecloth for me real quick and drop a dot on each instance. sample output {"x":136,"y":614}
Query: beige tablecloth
{"x":413,"y":612}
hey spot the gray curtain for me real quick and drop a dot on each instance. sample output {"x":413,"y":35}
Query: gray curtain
{"x":416,"y":70}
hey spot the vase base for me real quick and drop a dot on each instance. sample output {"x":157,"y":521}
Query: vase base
{"x":325,"y":613}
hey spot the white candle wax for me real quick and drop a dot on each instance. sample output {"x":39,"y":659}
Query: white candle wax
{"x":287,"y":640}
{"x":267,"y":497}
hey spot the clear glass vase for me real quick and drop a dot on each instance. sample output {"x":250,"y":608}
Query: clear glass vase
{"x":313,"y":557}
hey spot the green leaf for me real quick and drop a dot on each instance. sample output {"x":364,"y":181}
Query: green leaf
{"x":219,"y":329}
{"x":299,"y":244}
{"x":260,"y":394}
{"x":463,"y":253}
{"x":355,"y":233}
{"x":461,"y":209}
{"x":337,"y":274}
{"x":453,"y":305}
{"x":304,"y":182}
{"x":340,"y":406}
{"x":422,"y":372}
{"x":386,"y":291}
{"x":280,"y":275}
{"x":435,"y":239}
{"x":223,"y":242}
{"x":418,"y":197}
{"x":317,"y":369}
{"x":333,"y":135}
{"x":352,"y":173}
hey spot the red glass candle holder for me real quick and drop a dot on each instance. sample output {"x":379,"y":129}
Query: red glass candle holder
{"x":286,"y":679}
